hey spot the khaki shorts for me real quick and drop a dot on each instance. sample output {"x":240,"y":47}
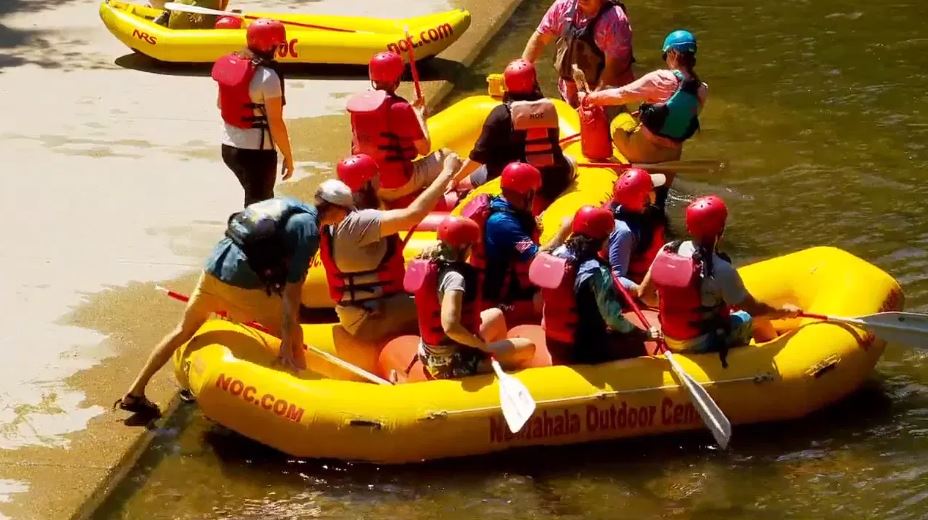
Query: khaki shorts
{"x":241,"y":305}
{"x":381,"y":319}
{"x":638,"y":148}
{"x":424,"y":172}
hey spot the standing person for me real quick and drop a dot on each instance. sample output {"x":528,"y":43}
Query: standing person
{"x":255,"y":273}
{"x":583,"y":319}
{"x":457,"y":336}
{"x":669,"y":115}
{"x":524,"y":127}
{"x":363,"y":254}
{"x":386,"y":127}
{"x":594,"y":35}
{"x":696,"y":288}
{"x":639,"y":226}
{"x":251,"y":101}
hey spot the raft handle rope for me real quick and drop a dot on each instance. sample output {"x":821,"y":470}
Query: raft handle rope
{"x":764,"y":377}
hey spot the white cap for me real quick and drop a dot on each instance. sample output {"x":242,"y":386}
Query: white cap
{"x":658,"y":179}
{"x":336,"y":192}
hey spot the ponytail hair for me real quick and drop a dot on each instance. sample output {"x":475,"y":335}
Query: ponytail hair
{"x":687,"y":61}
{"x":704,"y":255}
{"x":584,"y":247}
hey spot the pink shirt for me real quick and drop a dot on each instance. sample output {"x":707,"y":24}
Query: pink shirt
{"x":613,"y":34}
{"x":653,"y":87}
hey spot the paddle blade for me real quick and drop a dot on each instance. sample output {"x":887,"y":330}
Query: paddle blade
{"x":514,"y":398}
{"x":904,"y":328}
{"x":712,"y":416}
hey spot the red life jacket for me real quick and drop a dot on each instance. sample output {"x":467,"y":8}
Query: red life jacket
{"x":479,"y":210}
{"x":556,"y":276}
{"x":234,"y":72}
{"x":421,"y":281}
{"x":538,"y":123}
{"x":376,"y":131}
{"x":679,"y":283}
{"x":348,"y":288}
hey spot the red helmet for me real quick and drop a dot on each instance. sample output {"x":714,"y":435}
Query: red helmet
{"x":228,"y":22}
{"x":705,"y":217}
{"x":632,"y":188}
{"x":458,"y":231}
{"x":357,"y":170}
{"x":265,"y":35}
{"x":596,"y":223}
{"x":519,"y":77}
{"x":520,"y":177}
{"x":385,"y":67}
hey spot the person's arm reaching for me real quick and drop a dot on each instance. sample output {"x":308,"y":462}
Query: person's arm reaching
{"x":637,"y":91}
{"x":609,"y":303}
{"x":278,"y":128}
{"x":535,"y":45}
{"x":451,"y":305}
{"x":395,"y":220}
{"x":621,"y":244}
{"x":291,"y":333}
{"x":466,"y":169}
{"x":424,"y":144}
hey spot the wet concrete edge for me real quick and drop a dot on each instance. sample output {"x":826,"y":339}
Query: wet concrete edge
{"x":465,"y":52}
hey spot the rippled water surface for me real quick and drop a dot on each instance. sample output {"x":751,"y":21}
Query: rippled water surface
{"x":819,"y":108}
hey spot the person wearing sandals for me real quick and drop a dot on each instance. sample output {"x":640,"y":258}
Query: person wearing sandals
{"x":255,"y":273}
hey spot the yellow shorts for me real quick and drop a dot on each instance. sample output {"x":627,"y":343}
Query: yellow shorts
{"x":241,"y":305}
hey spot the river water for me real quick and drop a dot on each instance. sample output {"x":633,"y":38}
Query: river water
{"x":819,"y":109}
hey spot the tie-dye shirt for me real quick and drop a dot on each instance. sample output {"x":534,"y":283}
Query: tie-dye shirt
{"x":613,"y":36}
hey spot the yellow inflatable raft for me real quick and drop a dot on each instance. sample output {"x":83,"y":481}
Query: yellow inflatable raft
{"x":812,"y":364}
{"x":348,"y":40}
{"x":457,"y":127}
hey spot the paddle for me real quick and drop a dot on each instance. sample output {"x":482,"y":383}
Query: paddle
{"x":514,"y":398}
{"x":341,"y":363}
{"x":905,"y":328}
{"x":173,"y":6}
{"x":412,"y":63}
{"x":712,"y":415}
{"x":684,"y":166}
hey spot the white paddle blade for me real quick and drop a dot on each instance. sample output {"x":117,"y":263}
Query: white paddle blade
{"x":515,"y":400}
{"x":195,"y":9}
{"x":712,"y":416}
{"x":904,"y":328}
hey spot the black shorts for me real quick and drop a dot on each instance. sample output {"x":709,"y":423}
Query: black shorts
{"x":256,"y":171}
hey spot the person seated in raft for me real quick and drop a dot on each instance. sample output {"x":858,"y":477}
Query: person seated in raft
{"x":510,"y":241}
{"x":457,"y":337}
{"x":594,"y":35}
{"x":696,"y":288}
{"x":583,"y":319}
{"x":669,"y":114}
{"x":182,"y":20}
{"x":525,"y":127}
{"x":255,"y":273}
{"x":393,"y":132}
{"x":363,"y":254}
{"x":639,"y":226}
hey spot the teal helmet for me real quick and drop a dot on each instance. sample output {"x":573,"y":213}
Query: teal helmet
{"x":680,"y":41}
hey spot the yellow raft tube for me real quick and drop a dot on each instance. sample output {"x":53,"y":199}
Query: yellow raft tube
{"x":812,"y":364}
{"x":348,"y":40}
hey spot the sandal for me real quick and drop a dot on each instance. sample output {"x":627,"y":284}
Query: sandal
{"x":136,"y":404}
